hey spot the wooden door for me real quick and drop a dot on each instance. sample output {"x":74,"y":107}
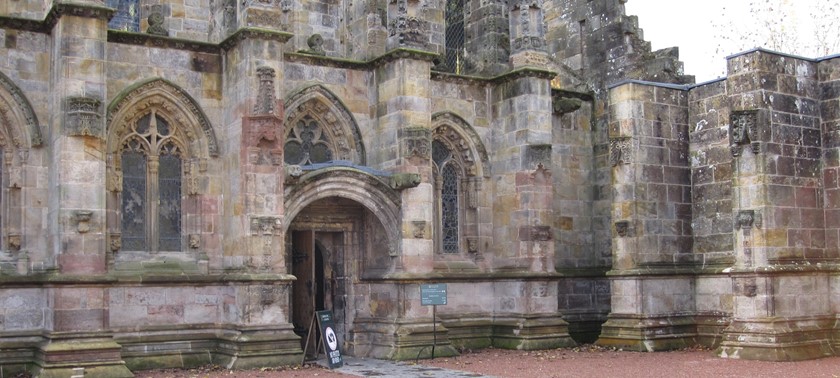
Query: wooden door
{"x":303,"y":289}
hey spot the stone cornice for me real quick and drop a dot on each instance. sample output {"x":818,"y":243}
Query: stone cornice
{"x":326,"y":61}
{"x":470,"y":276}
{"x":151,"y":40}
{"x":58,"y":10}
{"x":130,"y":277}
{"x":254,"y":33}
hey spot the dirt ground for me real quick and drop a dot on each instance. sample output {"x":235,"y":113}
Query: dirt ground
{"x":585,"y":361}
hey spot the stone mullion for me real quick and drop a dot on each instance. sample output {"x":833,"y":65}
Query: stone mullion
{"x":152,"y":203}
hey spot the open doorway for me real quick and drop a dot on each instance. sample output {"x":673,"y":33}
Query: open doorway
{"x":318,"y":264}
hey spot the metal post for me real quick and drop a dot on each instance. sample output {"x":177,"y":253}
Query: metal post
{"x":434,"y":329}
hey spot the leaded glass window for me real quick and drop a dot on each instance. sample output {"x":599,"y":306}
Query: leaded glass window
{"x":307,"y":143}
{"x":152,"y":167}
{"x":126,"y":16}
{"x":454,"y":15}
{"x":448,"y":207}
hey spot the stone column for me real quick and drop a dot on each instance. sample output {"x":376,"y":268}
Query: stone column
{"x":652,"y":293}
{"x":526,"y":311}
{"x":253,"y":135}
{"x":487,"y":40}
{"x":76,"y":226}
{"x":781,"y":294}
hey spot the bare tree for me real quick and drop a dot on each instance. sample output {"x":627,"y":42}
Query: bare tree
{"x":808,"y":28}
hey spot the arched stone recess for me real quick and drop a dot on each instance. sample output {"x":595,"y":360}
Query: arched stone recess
{"x":318,"y":106}
{"x":353,"y":184}
{"x":14,"y":105}
{"x":176,"y":101}
{"x":162,"y":127}
{"x":461,"y":166}
{"x":19,"y":132}
{"x":454,"y":131}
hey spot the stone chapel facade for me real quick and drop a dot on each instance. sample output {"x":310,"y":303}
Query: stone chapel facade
{"x":185,"y":181}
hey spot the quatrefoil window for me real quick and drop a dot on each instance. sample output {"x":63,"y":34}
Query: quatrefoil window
{"x":307,"y":143}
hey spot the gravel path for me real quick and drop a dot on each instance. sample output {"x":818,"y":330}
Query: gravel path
{"x":586,"y":361}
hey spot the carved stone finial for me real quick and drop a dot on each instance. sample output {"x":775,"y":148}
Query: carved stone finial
{"x":265,"y":93}
{"x":316,"y":45}
{"x":156,"y":20}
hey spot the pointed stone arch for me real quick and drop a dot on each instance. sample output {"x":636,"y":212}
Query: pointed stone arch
{"x":324,"y":107}
{"x":173,"y":103}
{"x":17,"y":117}
{"x":459,"y":136}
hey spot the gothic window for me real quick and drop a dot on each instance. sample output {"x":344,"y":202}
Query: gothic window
{"x":454,"y":38}
{"x":152,"y":164}
{"x":127,"y":15}
{"x":307,"y":143}
{"x":447,"y":178}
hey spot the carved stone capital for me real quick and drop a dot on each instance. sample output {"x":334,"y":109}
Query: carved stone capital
{"x":266,"y":225}
{"x":83,"y":117}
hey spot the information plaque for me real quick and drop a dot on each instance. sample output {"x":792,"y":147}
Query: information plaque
{"x":433,"y":294}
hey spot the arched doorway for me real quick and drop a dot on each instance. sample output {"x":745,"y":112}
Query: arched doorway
{"x":333,"y":242}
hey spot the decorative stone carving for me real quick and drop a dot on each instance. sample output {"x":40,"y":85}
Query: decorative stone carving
{"x":540,"y":233}
{"x":472,"y":245}
{"x":82,"y":218}
{"x":229,"y":17}
{"x":622,"y":228}
{"x":195,"y":241}
{"x":115,"y":241}
{"x":745,"y":286}
{"x":400,"y":181}
{"x":266,"y":225}
{"x":265,"y":93}
{"x":293,"y":172}
{"x":538,"y":155}
{"x":535,"y":233}
{"x":563,"y":105}
{"x":419,"y":229}
{"x":83,"y":117}
{"x":156,"y":20}
{"x":160,"y":94}
{"x":22,"y":104}
{"x":743,"y":131}
{"x":621,"y":151}
{"x":264,"y":19}
{"x":408,"y":30}
{"x":316,"y":45}
{"x":262,"y":139}
{"x":466,"y":139}
{"x":456,"y":143}
{"x":14,"y":241}
{"x":319,"y":104}
{"x":527,"y":25}
{"x":746,"y":219}
{"x":286,"y":5}
{"x":416,"y":143}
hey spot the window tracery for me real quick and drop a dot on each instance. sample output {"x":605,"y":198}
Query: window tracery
{"x":307,"y":143}
{"x":447,"y":182}
{"x":151,"y":165}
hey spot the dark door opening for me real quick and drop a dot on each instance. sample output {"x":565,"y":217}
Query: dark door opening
{"x":315,"y":288}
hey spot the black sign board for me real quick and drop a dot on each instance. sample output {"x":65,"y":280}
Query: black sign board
{"x":433,"y":294}
{"x":325,"y":323}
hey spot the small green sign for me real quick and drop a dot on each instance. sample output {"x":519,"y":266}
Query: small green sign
{"x":433,"y":294}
